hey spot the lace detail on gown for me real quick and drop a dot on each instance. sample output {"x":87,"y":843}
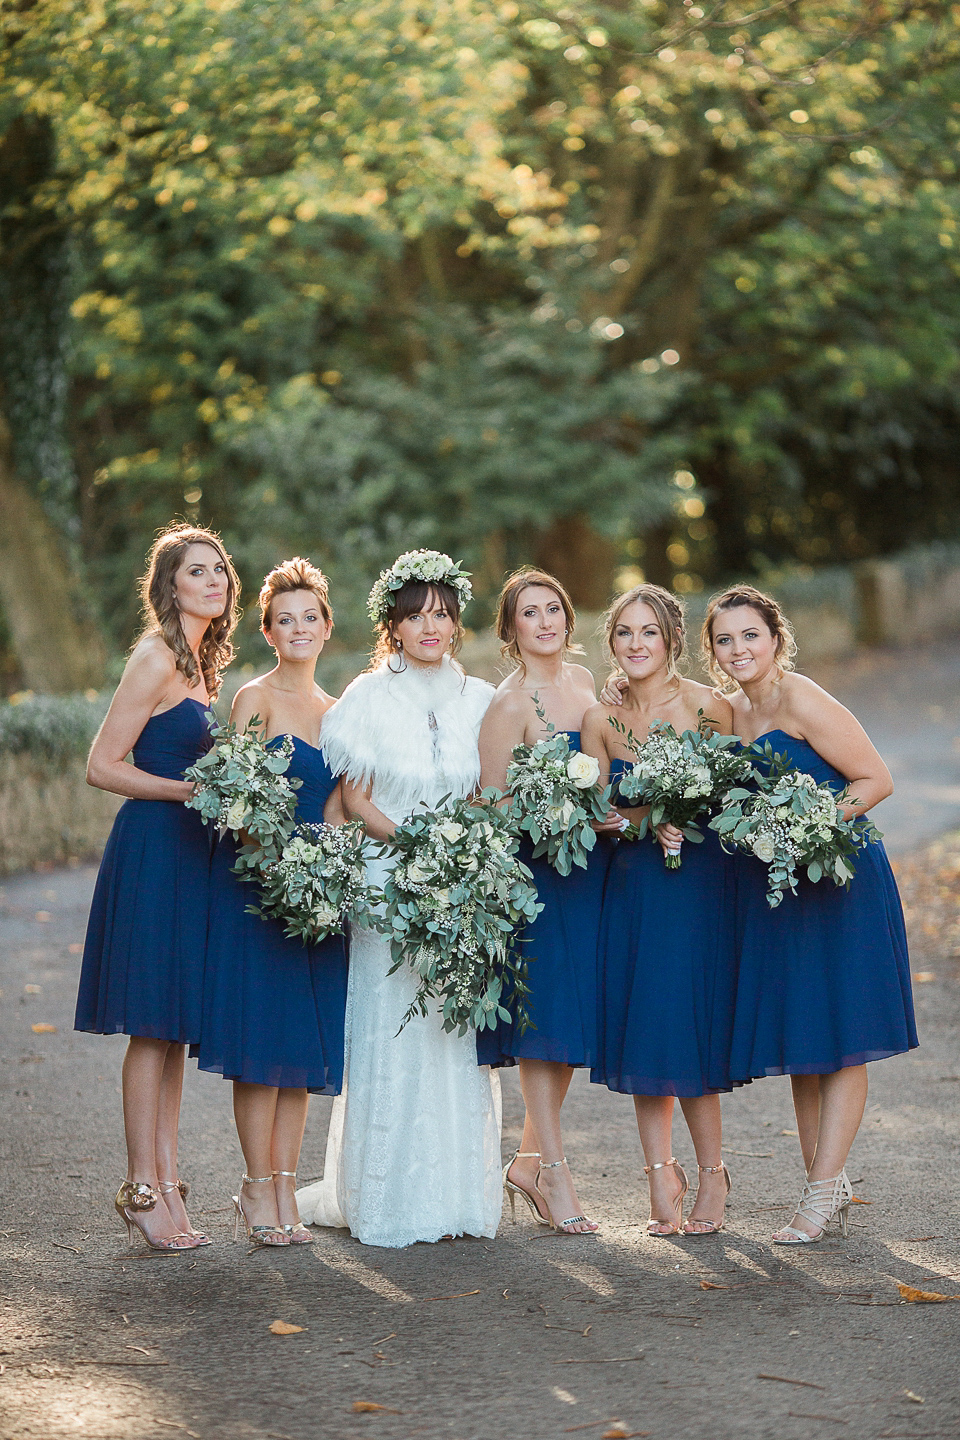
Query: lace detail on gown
{"x":413,"y":1151}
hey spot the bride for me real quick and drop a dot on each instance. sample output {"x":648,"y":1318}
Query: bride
{"x":414,"y":1146}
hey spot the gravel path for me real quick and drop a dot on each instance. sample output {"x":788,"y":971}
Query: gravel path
{"x":530,"y":1334}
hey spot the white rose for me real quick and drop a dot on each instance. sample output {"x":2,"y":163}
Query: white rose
{"x":326,"y":916}
{"x":416,"y":873}
{"x":583,"y":770}
{"x":450,"y":831}
{"x":443,"y":899}
{"x":563,"y":813}
{"x":467,"y":862}
{"x":764,"y":848}
{"x":236,"y":815}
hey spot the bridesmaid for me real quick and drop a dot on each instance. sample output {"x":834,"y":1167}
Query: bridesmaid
{"x":272,"y":1007}
{"x":666,"y":958}
{"x":824,"y":982}
{"x":535,"y":623}
{"x":143,"y":957}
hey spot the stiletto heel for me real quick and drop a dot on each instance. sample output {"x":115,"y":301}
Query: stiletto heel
{"x":820,"y":1202}
{"x":266,"y":1235}
{"x":137,"y":1196}
{"x":167,"y":1187}
{"x":574,"y":1219}
{"x":713,"y":1226}
{"x":297,"y":1234}
{"x":673,"y":1227}
{"x":513,"y":1189}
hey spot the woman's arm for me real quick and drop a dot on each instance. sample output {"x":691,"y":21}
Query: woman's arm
{"x":593,"y":732}
{"x":145,"y":684}
{"x":841,"y":740}
{"x":358,"y":806}
{"x":503,"y":727}
{"x":334,"y":812}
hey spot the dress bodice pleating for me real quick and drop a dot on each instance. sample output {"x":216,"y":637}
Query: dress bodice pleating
{"x":174,"y":740}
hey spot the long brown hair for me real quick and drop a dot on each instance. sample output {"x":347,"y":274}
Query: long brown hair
{"x":291,"y":575}
{"x":668,"y":611}
{"x":162,"y":617}
{"x":772,"y":616}
{"x":506,"y":621}
{"x":410,"y":600}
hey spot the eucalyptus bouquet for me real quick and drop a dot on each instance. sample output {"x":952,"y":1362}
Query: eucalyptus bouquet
{"x":241,"y":784}
{"x":555,"y":798}
{"x":452,"y":904}
{"x":317,"y":882}
{"x":790,"y":822}
{"x":681,"y":777}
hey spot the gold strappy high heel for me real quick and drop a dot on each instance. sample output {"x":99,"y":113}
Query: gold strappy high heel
{"x":672,"y":1226}
{"x":711,"y":1227}
{"x":574,"y":1219}
{"x":268,"y":1235}
{"x":133,"y":1198}
{"x":513,"y":1189}
{"x":297,"y":1234}
{"x":167,"y":1187}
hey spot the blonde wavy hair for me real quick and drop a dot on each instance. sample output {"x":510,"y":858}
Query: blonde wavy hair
{"x":291,"y":575}
{"x":509,"y":602}
{"x":410,"y":600}
{"x":161,"y":615}
{"x":668,"y":611}
{"x":770,"y":613}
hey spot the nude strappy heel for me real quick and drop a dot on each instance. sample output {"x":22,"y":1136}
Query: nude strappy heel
{"x":711,"y":1227}
{"x":672,"y":1226}
{"x":297,"y":1234}
{"x":820,"y":1202}
{"x":167,"y":1187}
{"x":268,"y":1235}
{"x":574,"y":1219}
{"x":513,"y":1189}
{"x":132,"y":1199}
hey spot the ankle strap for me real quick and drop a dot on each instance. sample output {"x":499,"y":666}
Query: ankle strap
{"x":711,"y":1169}
{"x":290,"y":1174}
{"x":661,"y":1165}
{"x":526,"y":1155}
{"x":553,"y":1165}
{"x":256,"y":1179}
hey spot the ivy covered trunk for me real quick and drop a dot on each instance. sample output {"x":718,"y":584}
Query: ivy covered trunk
{"x":56,"y":643}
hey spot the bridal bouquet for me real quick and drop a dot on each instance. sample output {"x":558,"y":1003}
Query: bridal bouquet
{"x":453,"y":901}
{"x":555,"y":798}
{"x":241,"y":784}
{"x":789,"y":822}
{"x":317,"y":882}
{"x":681,"y":777}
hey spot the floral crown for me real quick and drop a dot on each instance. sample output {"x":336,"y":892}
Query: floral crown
{"x":429,"y":566}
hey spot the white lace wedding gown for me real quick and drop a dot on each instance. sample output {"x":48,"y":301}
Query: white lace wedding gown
{"x":413,"y":1151}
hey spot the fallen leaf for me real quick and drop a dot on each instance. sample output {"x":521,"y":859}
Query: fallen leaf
{"x":855,"y":1200}
{"x":280,"y":1327}
{"x":710,"y":1285}
{"x":918,"y":1399}
{"x":33,"y":989}
{"x":363,"y":1407}
{"x":790,"y":1132}
{"x":923,"y":1297}
{"x":619,"y":1433}
{"x":43,"y":1029}
{"x":922,"y":977}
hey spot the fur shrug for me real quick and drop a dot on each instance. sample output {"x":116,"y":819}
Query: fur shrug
{"x":413,"y":732}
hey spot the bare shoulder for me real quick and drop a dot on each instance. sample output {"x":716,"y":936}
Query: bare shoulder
{"x":250,"y":700}
{"x":582,"y":676}
{"x":715,"y":707}
{"x":509,"y":702}
{"x":807,"y":700}
{"x":152,"y":666}
{"x":596,"y":720}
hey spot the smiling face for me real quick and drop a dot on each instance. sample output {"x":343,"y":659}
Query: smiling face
{"x":540,"y":622}
{"x":426,"y":634}
{"x":297,"y":627}
{"x":638,"y":643}
{"x":743,"y":644}
{"x":201,"y":583}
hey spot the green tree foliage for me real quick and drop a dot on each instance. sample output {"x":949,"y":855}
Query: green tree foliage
{"x":351,"y":275}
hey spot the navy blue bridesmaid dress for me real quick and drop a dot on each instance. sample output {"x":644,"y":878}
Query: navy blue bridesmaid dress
{"x":142,"y":970}
{"x":667,"y":969}
{"x":824,"y":978}
{"x":273,"y":1008}
{"x":562,"y":946}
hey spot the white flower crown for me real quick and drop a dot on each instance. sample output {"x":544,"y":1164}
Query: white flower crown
{"x":429,"y":566}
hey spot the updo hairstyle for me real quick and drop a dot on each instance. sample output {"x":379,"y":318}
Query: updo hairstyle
{"x":291,"y":575}
{"x":770,"y":613}
{"x":409,"y":600}
{"x":668,"y":611}
{"x":508,"y":604}
{"x":161,"y":614}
